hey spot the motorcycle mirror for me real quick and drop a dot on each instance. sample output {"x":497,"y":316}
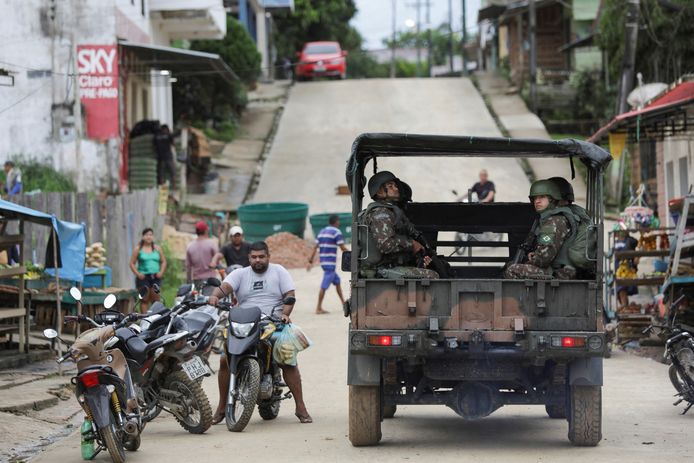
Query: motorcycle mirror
{"x":76,"y":293}
{"x":291,"y":300}
{"x":50,"y":333}
{"x":110,"y":301}
{"x":212,"y":281}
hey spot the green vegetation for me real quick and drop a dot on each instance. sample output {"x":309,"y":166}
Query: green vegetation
{"x":211,"y":102}
{"x":173,"y":277}
{"x":315,"y":20}
{"x":361,"y":65}
{"x":664,"y":47}
{"x":439,"y":42}
{"x":40,"y":176}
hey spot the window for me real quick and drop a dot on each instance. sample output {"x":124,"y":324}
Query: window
{"x":321,"y":49}
{"x":684,"y":176}
{"x":648,"y":161}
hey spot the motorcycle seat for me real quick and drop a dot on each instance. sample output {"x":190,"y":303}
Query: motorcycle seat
{"x":157,"y":308}
{"x":139,"y":349}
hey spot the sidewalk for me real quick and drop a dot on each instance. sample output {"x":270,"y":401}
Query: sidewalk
{"x":238,"y":163}
{"x":520,"y":122}
{"x":37,"y":407}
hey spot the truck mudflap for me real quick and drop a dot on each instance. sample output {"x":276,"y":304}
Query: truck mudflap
{"x":586,"y":372}
{"x":363,"y":370}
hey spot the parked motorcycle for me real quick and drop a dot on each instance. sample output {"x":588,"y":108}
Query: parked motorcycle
{"x":164,"y":370}
{"x":103,"y":387}
{"x":679,"y":351}
{"x":255,"y":376}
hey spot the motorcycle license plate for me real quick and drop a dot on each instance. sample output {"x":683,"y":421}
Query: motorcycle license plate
{"x":196,"y":368}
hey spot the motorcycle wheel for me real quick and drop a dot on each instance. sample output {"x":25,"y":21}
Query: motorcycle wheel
{"x":686,"y":358}
{"x":269,"y":410}
{"x":199,"y":416}
{"x":240,"y":407}
{"x":113,"y":444}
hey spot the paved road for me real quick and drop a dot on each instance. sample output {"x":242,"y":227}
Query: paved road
{"x":640,"y":424}
{"x":322,"y":119}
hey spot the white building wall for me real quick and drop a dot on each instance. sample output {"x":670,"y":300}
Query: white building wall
{"x":31,"y":47}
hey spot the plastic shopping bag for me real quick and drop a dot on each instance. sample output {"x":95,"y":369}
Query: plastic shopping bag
{"x":289,"y":342}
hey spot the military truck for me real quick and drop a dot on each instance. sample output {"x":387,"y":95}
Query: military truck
{"x":475,"y":342}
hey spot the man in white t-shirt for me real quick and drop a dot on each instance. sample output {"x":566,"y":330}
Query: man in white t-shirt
{"x":264,"y":285}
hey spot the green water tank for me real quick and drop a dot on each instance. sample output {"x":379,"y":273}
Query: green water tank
{"x":261,"y":220}
{"x":320,"y":221}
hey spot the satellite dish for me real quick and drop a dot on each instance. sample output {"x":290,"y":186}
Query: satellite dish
{"x":644,"y":93}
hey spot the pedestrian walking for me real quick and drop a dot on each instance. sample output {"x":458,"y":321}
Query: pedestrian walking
{"x":164,"y":146}
{"x":199,"y":256}
{"x":148,"y":264}
{"x":327,"y":242}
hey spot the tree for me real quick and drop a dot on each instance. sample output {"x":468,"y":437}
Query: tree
{"x":664,"y":48}
{"x":237,"y":49}
{"x":314,"y":20}
{"x":439,"y":42}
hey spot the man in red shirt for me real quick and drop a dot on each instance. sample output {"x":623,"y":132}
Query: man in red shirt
{"x":199,"y":256}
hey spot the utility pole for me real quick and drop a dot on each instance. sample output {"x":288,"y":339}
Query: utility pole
{"x":393,"y":44}
{"x":533,"y":55}
{"x":464,"y":37}
{"x":450,"y":36}
{"x":631,"y":36}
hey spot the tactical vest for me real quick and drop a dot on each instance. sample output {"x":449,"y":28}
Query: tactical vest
{"x":575,"y":247}
{"x":370,"y":256}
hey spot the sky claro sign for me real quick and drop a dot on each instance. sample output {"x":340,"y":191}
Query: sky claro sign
{"x":97,"y":69}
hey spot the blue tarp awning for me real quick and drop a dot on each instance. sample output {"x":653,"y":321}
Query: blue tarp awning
{"x":71,"y":239}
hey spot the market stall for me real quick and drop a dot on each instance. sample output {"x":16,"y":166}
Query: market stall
{"x":64,"y":254}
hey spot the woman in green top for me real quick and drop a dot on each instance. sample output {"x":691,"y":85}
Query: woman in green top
{"x":148,"y":264}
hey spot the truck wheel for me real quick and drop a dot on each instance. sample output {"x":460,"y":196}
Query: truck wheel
{"x":585,"y":415}
{"x":364,"y":415}
{"x":556,"y":411}
{"x":389,"y":410}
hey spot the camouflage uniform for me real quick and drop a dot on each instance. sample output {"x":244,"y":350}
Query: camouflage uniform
{"x":391,"y":233}
{"x":551,"y":234}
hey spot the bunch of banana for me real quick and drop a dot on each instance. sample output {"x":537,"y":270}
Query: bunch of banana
{"x":625,"y":271}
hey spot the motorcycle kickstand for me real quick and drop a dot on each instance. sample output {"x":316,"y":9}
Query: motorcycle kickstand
{"x":687,"y":408}
{"x":287,"y":395}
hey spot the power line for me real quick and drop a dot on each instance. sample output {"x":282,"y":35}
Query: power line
{"x":24,"y":98}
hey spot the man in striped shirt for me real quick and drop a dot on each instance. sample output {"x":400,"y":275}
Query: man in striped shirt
{"x":327,"y":242}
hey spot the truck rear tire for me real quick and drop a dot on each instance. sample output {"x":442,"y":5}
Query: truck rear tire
{"x":389,"y":410}
{"x":585,"y":415}
{"x":556,"y":411}
{"x":364,"y":415}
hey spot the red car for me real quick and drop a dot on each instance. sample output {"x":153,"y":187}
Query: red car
{"x":319,"y":59}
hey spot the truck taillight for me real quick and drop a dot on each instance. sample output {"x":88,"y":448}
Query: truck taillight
{"x":568,"y":341}
{"x":90,"y":379}
{"x":385,"y":340}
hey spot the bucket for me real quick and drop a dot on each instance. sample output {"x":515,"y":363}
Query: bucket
{"x":264,"y":219}
{"x":320,"y":221}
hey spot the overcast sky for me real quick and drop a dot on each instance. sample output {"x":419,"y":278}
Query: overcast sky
{"x":374,"y":19}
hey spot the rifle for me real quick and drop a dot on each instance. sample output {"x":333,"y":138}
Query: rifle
{"x":438,"y":264}
{"x":526,"y":246}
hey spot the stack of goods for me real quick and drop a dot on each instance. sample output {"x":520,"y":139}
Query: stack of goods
{"x":289,"y":250}
{"x":626,"y":271}
{"x":95,"y":255}
{"x":142,"y":164}
{"x":648,"y":242}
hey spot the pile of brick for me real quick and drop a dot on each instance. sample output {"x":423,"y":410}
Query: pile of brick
{"x":289,"y":250}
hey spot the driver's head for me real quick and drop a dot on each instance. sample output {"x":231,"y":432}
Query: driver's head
{"x":259,"y":256}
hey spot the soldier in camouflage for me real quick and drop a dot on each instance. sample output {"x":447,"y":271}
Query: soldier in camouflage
{"x":391,"y":248}
{"x":548,"y":258}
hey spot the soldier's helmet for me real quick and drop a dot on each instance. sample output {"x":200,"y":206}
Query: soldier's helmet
{"x":544,"y":188}
{"x":380,"y":178}
{"x":565,"y":188}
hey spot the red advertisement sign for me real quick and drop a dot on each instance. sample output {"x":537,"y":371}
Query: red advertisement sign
{"x":97,"y":69}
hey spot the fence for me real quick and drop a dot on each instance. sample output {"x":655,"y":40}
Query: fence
{"x":116,"y":221}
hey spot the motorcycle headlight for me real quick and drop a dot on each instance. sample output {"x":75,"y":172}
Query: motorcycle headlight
{"x":241,"y":330}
